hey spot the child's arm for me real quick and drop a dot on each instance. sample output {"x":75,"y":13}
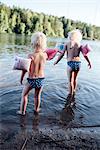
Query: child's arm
{"x":22,"y":76}
{"x":60,"y":57}
{"x":87,"y":59}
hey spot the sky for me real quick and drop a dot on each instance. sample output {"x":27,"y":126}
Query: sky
{"x":78,"y":10}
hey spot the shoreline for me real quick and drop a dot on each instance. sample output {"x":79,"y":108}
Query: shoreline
{"x":52,"y":137}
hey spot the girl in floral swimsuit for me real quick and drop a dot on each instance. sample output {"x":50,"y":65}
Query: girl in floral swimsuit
{"x":36,"y":72}
{"x":72,"y":51}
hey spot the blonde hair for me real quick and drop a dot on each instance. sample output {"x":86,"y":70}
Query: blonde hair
{"x":39,"y":40}
{"x":75,"y":35}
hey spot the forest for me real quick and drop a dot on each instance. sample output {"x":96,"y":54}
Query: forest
{"x":25,"y":21}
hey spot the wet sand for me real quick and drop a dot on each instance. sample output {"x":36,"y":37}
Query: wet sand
{"x":52,"y":138}
{"x":49,"y":134}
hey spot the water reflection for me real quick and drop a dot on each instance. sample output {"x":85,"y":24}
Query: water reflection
{"x":26,"y":120}
{"x":23,"y":121}
{"x":13,"y":39}
{"x":67,"y":113}
{"x":35,"y":122}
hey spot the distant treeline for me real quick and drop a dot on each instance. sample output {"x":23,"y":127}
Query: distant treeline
{"x":25,"y":21}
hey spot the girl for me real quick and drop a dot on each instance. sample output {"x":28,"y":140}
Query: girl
{"x":36,"y":74}
{"x":73,"y":50}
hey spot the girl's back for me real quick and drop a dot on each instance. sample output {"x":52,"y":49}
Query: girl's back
{"x":72,"y":51}
{"x":37,"y":65}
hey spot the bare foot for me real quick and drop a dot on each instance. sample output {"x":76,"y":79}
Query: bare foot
{"x":20,"y":113}
{"x":36,"y":112}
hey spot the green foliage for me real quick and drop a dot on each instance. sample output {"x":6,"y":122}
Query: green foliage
{"x":24,"y":21}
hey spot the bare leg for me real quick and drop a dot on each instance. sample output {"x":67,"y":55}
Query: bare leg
{"x":37,"y":98}
{"x":70,"y":84}
{"x":75,"y":80}
{"x":24,"y":99}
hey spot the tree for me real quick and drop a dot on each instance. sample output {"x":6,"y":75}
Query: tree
{"x":17,"y":20}
{"x":58,"y":27}
{"x":89,"y":31}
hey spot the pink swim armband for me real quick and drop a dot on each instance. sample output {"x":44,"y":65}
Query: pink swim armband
{"x":85,"y":49}
{"x":51,"y":53}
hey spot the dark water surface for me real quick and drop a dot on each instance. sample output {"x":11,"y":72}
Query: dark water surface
{"x":85,"y":113}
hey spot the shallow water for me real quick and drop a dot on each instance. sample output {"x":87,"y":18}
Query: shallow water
{"x":85,"y":112}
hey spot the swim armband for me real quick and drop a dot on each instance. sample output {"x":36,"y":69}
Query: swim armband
{"x":51,"y":52}
{"x":85,"y":49}
{"x":60,"y":47}
{"x":21,"y":63}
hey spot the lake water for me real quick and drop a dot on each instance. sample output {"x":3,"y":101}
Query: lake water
{"x":85,"y":113}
